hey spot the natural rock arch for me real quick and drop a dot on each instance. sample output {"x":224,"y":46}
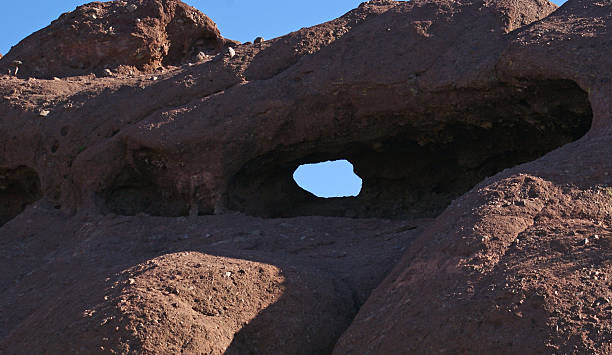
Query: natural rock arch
{"x":417,"y":167}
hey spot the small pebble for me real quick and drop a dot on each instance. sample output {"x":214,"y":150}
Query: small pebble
{"x":44,"y":113}
{"x":231,"y":52}
{"x":131,"y":281}
{"x":228,"y":274}
{"x":201,"y":56}
{"x":154,"y":78}
{"x":108,"y":72}
{"x":132,"y":8}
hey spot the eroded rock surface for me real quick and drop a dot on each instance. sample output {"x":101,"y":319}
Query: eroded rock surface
{"x":482,"y":131}
{"x":135,"y":34}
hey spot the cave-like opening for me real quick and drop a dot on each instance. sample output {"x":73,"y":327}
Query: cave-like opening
{"x":18,"y":188}
{"x":144,"y":187}
{"x":413,"y":166}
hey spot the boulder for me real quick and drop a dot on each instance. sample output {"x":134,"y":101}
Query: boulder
{"x":144,"y":34}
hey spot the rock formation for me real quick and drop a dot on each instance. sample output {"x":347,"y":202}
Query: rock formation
{"x":142,"y":34}
{"x":153,"y":210}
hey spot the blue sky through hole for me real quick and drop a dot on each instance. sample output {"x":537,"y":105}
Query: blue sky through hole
{"x":241,"y":20}
{"x":328,"y":179}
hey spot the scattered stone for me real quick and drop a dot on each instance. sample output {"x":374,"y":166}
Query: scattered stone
{"x":228,"y":274}
{"x":231,"y":52}
{"x":56,"y":78}
{"x":600,"y":301}
{"x":44,"y":113}
{"x":131,"y":281}
{"x":132,"y":7}
{"x":108,"y":72}
{"x":201,"y":57}
{"x":258,"y":40}
{"x":15,"y":64}
{"x":154,"y":78}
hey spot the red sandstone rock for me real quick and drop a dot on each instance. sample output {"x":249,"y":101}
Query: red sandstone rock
{"x":519,"y":264}
{"x":138,"y":177}
{"x":145,"y":34}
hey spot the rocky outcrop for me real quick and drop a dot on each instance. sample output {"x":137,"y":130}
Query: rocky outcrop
{"x":481,"y":131}
{"x":142,"y":34}
{"x":519,"y":264}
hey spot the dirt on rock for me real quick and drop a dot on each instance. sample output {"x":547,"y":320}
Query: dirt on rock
{"x":150,"y":208}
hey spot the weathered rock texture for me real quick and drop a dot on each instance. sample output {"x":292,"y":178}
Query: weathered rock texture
{"x":141,"y":211}
{"x":142,"y":34}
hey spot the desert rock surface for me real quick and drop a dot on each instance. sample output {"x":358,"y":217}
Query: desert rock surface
{"x":147,"y":203}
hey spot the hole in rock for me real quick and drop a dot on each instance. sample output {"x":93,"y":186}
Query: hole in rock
{"x":328,"y":179}
{"x":18,"y":188}
{"x":415,"y":161}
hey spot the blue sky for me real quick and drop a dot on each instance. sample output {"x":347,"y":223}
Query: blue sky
{"x":329,"y":179}
{"x":241,"y":20}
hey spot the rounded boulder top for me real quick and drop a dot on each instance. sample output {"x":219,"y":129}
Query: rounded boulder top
{"x":142,"y":34}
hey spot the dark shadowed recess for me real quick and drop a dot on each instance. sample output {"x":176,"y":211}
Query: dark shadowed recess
{"x":143,"y":188}
{"x":415,"y":165}
{"x":18,"y":188}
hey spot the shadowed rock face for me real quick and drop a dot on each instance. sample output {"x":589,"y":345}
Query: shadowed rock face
{"x":18,"y":188}
{"x":415,"y":163}
{"x":481,"y":131}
